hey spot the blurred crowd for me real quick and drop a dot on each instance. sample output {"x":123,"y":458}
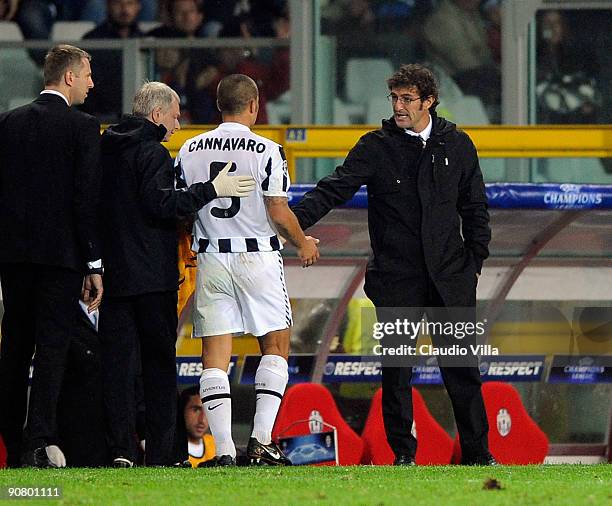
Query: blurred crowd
{"x":460,"y":38}
{"x":193,"y":73}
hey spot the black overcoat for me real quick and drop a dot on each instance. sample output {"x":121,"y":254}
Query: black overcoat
{"x":450,"y":200}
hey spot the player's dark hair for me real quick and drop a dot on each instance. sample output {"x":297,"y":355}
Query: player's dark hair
{"x":171,"y":3}
{"x":60,"y":59}
{"x":187,"y":394}
{"x":417,"y":76}
{"x":235,"y":92}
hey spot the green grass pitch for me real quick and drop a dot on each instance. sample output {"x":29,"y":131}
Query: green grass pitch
{"x":360,"y":485}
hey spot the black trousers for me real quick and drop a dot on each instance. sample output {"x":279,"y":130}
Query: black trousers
{"x":39,"y":314}
{"x":463,"y":384}
{"x":147,"y":322}
{"x":80,"y":411}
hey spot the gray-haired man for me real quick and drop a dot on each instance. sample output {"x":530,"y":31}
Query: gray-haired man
{"x":141,"y":202}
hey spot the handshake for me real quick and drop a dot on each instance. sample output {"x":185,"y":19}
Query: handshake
{"x":232,"y":186}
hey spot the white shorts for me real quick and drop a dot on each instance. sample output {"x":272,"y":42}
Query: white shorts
{"x":240,"y":293}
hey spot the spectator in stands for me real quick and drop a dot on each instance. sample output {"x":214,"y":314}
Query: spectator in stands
{"x":200,"y":441}
{"x":270,"y":71}
{"x":455,"y":37}
{"x":97,"y":11}
{"x":120,"y":22}
{"x":187,"y":70}
{"x":105,"y":100}
{"x":279,"y":71}
{"x":349,"y":16}
{"x":8,"y":9}
{"x":492,"y":13}
{"x":36,"y":17}
{"x":185,"y":18}
{"x":566,"y":88}
{"x":226,"y":16}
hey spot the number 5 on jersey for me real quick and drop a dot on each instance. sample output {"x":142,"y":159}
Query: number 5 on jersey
{"x":232,"y":210}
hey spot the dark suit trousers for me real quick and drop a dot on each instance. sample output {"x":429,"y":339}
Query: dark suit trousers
{"x":39,"y":312}
{"x":463,"y":384}
{"x":149,"y":322}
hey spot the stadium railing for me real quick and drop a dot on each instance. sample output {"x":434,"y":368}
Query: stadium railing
{"x":315,"y":141}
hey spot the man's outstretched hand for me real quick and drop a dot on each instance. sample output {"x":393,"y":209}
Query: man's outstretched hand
{"x":309,"y":252}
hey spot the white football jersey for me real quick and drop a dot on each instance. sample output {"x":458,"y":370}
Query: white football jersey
{"x":228,"y":225}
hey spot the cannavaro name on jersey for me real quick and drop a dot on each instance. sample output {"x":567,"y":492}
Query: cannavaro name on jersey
{"x":229,"y":144}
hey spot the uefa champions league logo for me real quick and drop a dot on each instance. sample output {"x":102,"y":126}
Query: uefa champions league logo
{"x":504,"y":422}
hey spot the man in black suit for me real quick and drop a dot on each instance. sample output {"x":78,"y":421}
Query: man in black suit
{"x":49,"y":191}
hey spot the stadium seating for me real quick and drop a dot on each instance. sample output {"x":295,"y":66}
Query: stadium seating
{"x":20,"y":79}
{"x":435,"y":446}
{"x":299,"y":403}
{"x":70,"y":30}
{"x":10,"y":31}
{"x":377,"y":109}
{"x":466,"y":110}
{"x":147,"y":26}
{"x":15,"y":102}
{"x":279,"y":110}
{"x":514,"y":438}
{"x":359,"y":72}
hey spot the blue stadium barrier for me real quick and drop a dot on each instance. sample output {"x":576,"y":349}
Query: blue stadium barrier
{"x":511,"y":196}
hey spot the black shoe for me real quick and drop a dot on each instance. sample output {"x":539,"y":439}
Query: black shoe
{"x":122,"y":463}
{"x":184,"y":464}
{"x":480,"y":460}
{"x":271,"y":454}
{"x":36,"y":458}
{"x":404,"y":460}
{"x":224,"y":461}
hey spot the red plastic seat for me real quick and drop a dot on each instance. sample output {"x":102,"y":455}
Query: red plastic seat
{"x":298,"y":404}
{"x":435,"y":446}
{"x":514,"y":438}
{"x":2,"y":453}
